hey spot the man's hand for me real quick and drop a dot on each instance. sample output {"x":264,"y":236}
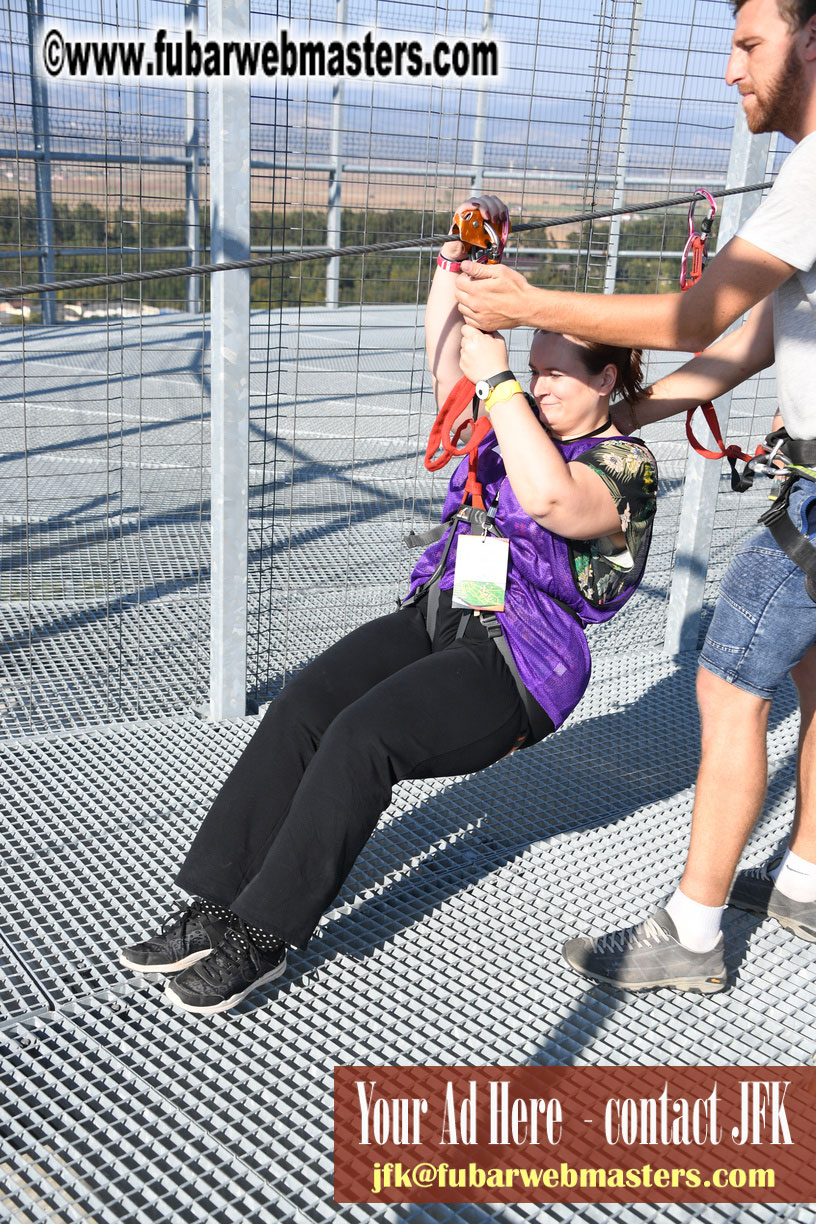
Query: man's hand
{"x":491,"y":296}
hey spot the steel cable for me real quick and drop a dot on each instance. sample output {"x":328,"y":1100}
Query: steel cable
{"x":315,"y":253}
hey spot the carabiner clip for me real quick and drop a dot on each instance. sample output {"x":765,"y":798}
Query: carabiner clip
{"x":768,"y":465}
{"x":697,"y":243}
{"x":486,"y":246}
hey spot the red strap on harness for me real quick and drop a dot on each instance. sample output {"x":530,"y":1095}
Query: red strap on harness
{"x":725,"y":452}
{"x":696,"y":250}
{"x":485,"y":245}
{"x":443,"y":443}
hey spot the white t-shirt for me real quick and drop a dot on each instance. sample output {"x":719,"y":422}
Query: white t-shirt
{"x":784,"y":225}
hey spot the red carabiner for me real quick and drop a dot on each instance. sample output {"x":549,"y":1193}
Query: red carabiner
{"x":697,"y":248}
{"x":697,"y":243}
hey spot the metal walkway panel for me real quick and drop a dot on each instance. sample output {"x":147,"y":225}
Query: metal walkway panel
{"x":67,"y":664}
{"x":443,"y":947}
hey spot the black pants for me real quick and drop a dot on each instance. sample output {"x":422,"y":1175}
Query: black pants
{"x":381,"y":705}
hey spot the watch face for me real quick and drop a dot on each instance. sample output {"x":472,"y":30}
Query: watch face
{"x":482,"y":389}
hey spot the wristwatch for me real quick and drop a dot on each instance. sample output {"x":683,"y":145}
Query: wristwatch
{"x":485,"y":385}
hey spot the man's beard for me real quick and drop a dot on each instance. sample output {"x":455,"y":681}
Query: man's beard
{"x":779,"y":110}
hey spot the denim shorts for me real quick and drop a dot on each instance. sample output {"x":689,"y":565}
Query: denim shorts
{"x":764,"y":620}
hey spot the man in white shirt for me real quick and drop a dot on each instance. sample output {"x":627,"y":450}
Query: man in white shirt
{"x":764,"y":625}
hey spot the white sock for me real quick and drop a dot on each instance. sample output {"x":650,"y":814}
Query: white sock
{"x":698,"y":926}
{"x":796,"y":877}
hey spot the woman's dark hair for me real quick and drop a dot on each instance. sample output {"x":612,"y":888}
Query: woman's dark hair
{"x":628,"y":363}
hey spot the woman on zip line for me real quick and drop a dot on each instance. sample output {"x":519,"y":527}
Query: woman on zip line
{"x":487,"y":653}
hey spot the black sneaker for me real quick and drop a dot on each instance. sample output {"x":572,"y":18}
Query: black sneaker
{"x":233,"y":971}
{"x":755,"y":890}
{"x":187,"y":938}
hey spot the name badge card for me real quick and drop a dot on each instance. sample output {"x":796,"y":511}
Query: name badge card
{"x":480,"y":576}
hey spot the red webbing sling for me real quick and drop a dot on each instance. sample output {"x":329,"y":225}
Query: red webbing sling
{"x":697,"y":249}
{"x":443,"y":443}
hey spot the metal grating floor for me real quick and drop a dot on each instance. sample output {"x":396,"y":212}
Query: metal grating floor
{"x":442,"y":948}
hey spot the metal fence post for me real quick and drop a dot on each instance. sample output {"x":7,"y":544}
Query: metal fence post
{"x":334,"y":217}
{"x":747,"y":164}
{"x":192,"y":155}
{"x":42,"y":165}
{"x":613,"y":243}
{"x":480,"y":118}
{"x":230,"y":239}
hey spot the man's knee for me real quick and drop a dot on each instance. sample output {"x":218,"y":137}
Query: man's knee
{"x":724,"y":704}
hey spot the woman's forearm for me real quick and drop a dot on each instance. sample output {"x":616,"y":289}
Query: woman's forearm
{"x":568,"y":499}
{"x":443,"y":326}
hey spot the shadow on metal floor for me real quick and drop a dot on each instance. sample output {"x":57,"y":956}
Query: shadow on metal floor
{"x":444,"y":947}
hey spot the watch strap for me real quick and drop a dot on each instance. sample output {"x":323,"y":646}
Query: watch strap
{"x":490,"y":383}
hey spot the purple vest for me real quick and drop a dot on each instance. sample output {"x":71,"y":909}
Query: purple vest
{"x":549,"y":646}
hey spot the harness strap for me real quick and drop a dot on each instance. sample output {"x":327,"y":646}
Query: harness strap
{"x":794,"y":543}
{"x":494,"y":632}
{"x":432,"y":610}
{"x":445,"y":436}
{"x":480,"y":519}
{"x":800,"y":451}
{"x":739,"y":483}
{"x":422,"y":539}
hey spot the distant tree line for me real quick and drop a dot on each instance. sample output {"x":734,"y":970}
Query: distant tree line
{"x":372,"y":279}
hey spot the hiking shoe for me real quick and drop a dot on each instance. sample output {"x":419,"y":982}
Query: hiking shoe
{"x":187,"y":938}
{"x":646,"y":956}
{"x":754,"y":890}
{"x":233,"y":971}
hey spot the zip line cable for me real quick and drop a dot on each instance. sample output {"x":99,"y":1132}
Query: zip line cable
{"x":374,"y":248}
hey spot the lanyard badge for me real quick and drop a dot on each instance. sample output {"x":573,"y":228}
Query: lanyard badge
{"x":480,"y":575}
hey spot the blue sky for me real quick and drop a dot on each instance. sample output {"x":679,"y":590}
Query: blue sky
{"x":557,"y":108}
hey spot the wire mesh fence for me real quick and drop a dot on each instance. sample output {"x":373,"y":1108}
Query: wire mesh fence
{"x":104,"y":578}
{"x":617,"y":103}
{"x":105,"y":484}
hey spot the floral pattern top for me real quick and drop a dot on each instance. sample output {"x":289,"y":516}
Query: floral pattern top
{"x":600,"y":570}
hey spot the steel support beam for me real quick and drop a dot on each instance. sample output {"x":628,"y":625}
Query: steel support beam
{"x":230,"y":239}
{"x":42,"y":165}
{"x":622,"y":161}
{"x":480,"y":118}
{"x":192,"y":159}
{"x":747,"y":164}
{"x":335,"y":212}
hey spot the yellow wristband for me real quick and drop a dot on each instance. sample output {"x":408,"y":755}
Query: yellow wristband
{"x":504,"y":391}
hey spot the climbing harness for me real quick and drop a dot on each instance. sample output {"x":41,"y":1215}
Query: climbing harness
{"x":779,"y":457}
{"x":796,"y":458}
